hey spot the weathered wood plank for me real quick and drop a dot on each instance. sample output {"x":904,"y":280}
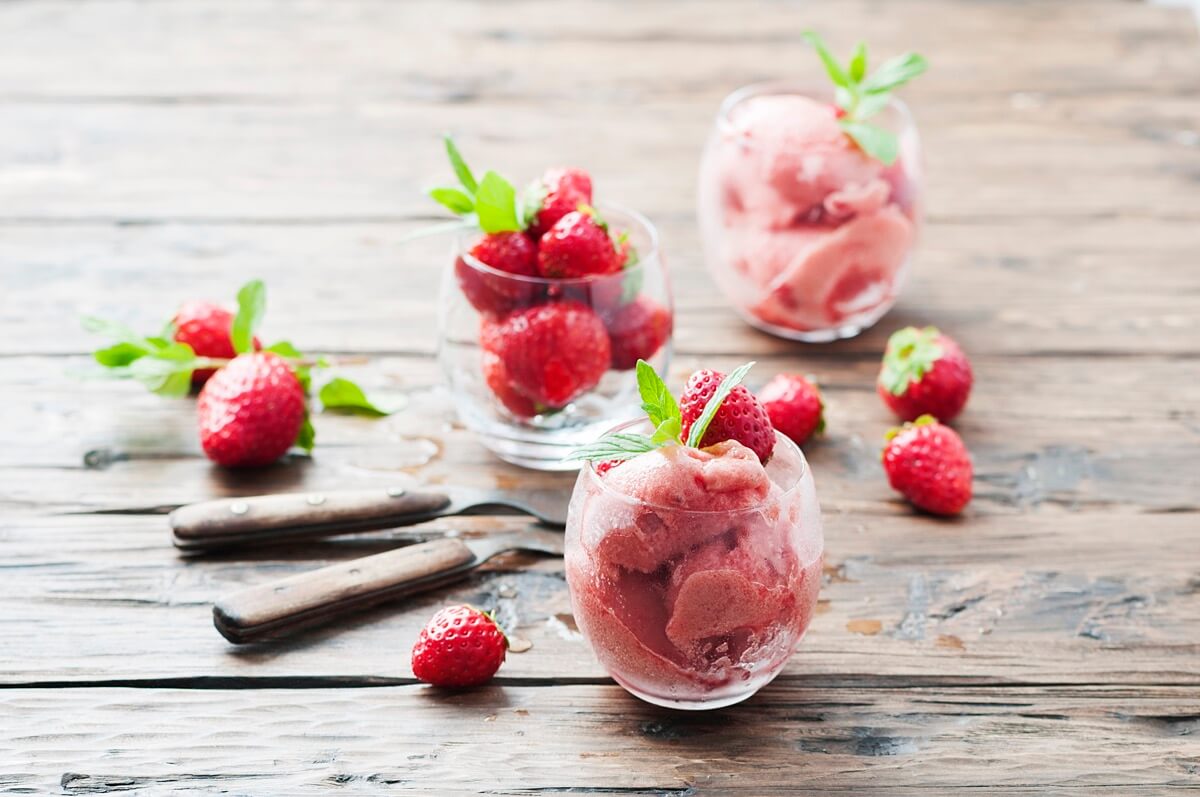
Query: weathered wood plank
{"x":790,"y":739}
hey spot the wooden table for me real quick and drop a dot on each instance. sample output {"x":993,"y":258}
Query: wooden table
{"x":153,"y":152}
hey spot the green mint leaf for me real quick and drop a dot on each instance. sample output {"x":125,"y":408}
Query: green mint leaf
{"x":910,"y":354}
{"x":342,"y":394}
{"x":696,"y":433}
{"x":657,"y":401}
{"x":119,"y":355}
{"x":895,"y":72}
{"x":614,"y":446}
{"x":114,"y":330}
{"x":166,"y":371}
{"x":880,"y":144}
{"x":871,"y":104}
{"x":669,"y":431}
{"x":836,"y":73}
{"x":252,"y":303}
{"x":532,"y":197}
{"x":284,"y":348}
{"x":307,"y":435}
{"x":858,"y":62}
{"x":496,"y":205}
{"x":453,"y":200}
{"x":461,"y":170}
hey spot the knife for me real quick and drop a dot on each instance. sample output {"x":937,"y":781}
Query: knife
{"x":234,"y":522}
{"x":308,"y":599}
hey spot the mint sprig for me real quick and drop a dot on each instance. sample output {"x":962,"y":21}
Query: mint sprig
{"x":489,"y":203}
{"x":861,"y":95}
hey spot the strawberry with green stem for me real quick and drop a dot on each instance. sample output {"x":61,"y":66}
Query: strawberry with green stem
{"x":860,"y":96}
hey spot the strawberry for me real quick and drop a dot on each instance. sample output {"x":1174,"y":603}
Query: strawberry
{"x":928,"y":463}
{"x":552,"y":353}
{"x":495,"y":375}
{"x":741,"y":417}
{"x":566,"y":189}
{"x":251,"y":411}
{"x":577,"y":246}
{"x":924,"y":373}
{"x":205,"y":327}
{"x":459,"y":646}
{"x":794,"y":406}
{"x":488,"y":292}
{"x":637,"y":330}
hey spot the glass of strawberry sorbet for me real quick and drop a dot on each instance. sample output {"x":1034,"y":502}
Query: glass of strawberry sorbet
{"x":693,"y":572}
{"x":538,"y":366}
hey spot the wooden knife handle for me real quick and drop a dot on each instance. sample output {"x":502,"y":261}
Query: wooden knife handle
{"x":246,"y":521}
{"x":322,"y":595}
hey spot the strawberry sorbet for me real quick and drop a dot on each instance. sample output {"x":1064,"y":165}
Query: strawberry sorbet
{"x":694,"y":572}
{"x":807,"y":234}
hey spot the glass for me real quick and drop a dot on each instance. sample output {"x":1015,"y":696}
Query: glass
{"x":695,"y":609}
{"x":807,"y":236}
{"x":492,"y":403}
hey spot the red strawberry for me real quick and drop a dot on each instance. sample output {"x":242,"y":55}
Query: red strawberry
{"x":638,"y":330}
{"x":251,"y":411}
{"x":496,"y":377}
{"x":794,"y":405}
{"x":566,"y":190}
{"x":924,"y":373}
{"x":510,"y":252}
{"x":459,"y":646}
{"x":577,"y":246}
{"x":552,"y":352}
{"x":741,"y":416}
{"x":928,"y":463}
{"x":205,"y":327}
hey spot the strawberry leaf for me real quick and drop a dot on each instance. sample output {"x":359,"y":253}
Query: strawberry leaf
{"x":252,"y":303}
{"x":732,"y":380}
{"x":895,"y":72}
{"x":615,"y":446}
{"x":910,"y":354}
{"x":836,"y":73}
{"x":880,"y":144}
{"x":453,"y":200}
{"x":496,"y":205}
{"x":307,"y":436}
{"x":660,"y":406}
{"x":461,"y":170}
{"x":342,"y":394}
{"x":532,"y":198}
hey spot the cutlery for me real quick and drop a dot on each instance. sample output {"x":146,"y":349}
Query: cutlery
{"x":301,"y":601}
{"x":236,"y":522}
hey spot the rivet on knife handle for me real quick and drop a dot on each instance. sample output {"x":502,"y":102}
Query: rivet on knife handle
{"x":321,"y":595}
{"x":245,"y":521}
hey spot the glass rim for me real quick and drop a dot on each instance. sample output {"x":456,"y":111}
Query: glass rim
{"x":462,"y":252}
{"x":792,"y":87}
{"x":589,"y":467}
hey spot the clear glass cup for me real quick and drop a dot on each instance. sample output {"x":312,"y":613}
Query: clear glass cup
{"x":493,"y":403}
{"x":808,"y":236}
{"x":692,"y":608}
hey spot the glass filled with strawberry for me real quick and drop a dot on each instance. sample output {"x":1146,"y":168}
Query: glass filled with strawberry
{"x":549,"y":302}
{"x":694,"y":545}
{"x":810,"y":198}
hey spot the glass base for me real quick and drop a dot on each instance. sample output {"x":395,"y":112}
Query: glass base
{"x":748,"y":690}
{"x":853,"y":327}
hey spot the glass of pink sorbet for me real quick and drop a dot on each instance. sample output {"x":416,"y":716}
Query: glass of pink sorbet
{"x":694,"y":572}
{"x":807,"y":235}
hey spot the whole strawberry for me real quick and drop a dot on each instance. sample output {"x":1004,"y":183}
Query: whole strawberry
{"x":552,"y":353}
{"x":928,"y":464}
{"x":459,"y":646}
{"x":740,"y":417}
{"x":924,"y":373}
{"x":510,"y":252}
{"x":565,"y":190}
{"x":794,"y":406}
{"x":637,"y":329}
{"x":205,"y":327}
{"x":577,"y":246}
{"x":251,"y":411}
{"x":495,"y":375}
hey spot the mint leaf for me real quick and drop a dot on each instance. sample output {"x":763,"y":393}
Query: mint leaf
{"x":696,"y":433}
{"x":614,"y":446}
{"x":669,"y":431}
{"x":496,"y":205}
{"x":836,"y":73}
{"x":252,"y":303}
{"x":120,"y":354}
{"x":110,"y":329}
{"x":453,"y":200}
{"x":307,"y":435}
{"x":166,"y":371}
{"x":895,"y":72}
{"x":284,"y":348}
{"x":339,"y":393}
{"x":880,"y":144}
{"x":858,"y":62}
{"x":870,"y":105}
{"x":461,"y":170}
{"x":657,"y":401}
